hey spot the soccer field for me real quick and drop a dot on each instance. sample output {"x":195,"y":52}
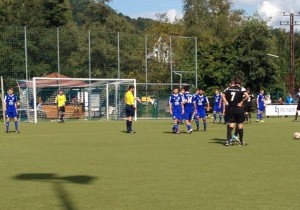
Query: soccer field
{"x":95,"y":165}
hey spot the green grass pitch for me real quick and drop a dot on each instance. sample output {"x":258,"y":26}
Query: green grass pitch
{"x":94,"y":165}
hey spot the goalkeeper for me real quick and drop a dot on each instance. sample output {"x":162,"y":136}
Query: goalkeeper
{"x":61,"y":102}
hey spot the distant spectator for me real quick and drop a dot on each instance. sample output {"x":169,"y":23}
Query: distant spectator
{"x":268,"y":100}
{"x":280,"y":101}
{"x":39,"y":107}
{"x":289,"y":99}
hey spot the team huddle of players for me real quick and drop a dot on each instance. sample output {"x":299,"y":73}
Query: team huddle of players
{"x":187,"y":106}
{"x":234,"y":104}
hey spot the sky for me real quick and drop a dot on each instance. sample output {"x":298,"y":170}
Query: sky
{"x":270,"y":10}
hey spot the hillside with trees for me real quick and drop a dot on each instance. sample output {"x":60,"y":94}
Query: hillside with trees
{"x":229,"y":43}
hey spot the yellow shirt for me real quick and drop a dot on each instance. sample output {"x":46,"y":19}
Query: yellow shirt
{"x":129,"y":98}
{"x":61,"y":100}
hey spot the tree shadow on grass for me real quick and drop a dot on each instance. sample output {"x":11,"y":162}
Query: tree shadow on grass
{"x":218,"y":141}
{"x":58,"y":184}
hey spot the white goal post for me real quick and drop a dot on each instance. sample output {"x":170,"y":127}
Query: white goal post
{"x":93,"y":95}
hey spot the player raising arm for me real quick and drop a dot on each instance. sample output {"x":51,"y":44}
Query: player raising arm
{"x":234,"y":98}
{"x":10,"y":107}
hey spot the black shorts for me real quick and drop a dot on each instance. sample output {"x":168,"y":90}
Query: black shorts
{"x":129,"y":109}
{"x":236,"y":115}
{"x":62,"y":108}
{"x":298,"y":107}
{"x":248,"y":108}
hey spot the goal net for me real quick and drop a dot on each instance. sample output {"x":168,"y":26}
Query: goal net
{"x":87,"y":99}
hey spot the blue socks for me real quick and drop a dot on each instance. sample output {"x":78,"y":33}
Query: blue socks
{"x":17,"y":125}
{"x":259,"y":116}
{"x":175,"y":128}
{"x":197,"y":124}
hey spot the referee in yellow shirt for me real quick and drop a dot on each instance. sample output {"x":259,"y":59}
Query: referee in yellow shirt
{"x":130,"y":108}
{"x":61,"y":102}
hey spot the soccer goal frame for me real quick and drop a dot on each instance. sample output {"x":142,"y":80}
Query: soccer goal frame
{"x":88,"y":81}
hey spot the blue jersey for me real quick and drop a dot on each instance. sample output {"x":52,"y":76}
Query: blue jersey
{"x":261,"y":100}
{"x":201,"y":102}
{"x":217,"y":101}
{"x":176,"y":101}
{"x":189,"y":102}
{"x":217,"y":98}
{"x":10,"y":101}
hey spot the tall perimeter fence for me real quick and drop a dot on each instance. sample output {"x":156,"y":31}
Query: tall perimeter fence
{"x":156,"y":62}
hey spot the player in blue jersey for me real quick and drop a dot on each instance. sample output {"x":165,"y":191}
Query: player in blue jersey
{"x":217,"y":106}
{"x":181,"y":93}
{"x":10,"y":107}
{"x":201,"y":104}
{"x":188,"y":102}
{"x":260,"y":106}
{"x":176,"y":109}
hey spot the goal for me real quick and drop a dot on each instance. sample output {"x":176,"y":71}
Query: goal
{"x":87,"y":99}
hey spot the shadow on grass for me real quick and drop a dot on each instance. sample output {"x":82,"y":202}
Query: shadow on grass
{"x":58,"y":184}
{"x":218,"y":141}
{"x":168,"y":132}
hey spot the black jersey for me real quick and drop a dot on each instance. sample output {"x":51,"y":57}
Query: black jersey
{"x":234,"y":95}
{"x":248,"y":102}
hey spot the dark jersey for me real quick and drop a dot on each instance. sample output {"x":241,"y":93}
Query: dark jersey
{"x":234,"y":95}
{"x":248,"y":102}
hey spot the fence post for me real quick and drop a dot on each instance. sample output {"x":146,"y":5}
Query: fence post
{"x":58,"y":51}
{"x":146,"y":62}
{"x":119,"y":59}
{"x":171,"y":62}
{"x":196,"y":61}
{"x":26,"y":52}
{"x":90,"y":75}
{"x":2,"y":95}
